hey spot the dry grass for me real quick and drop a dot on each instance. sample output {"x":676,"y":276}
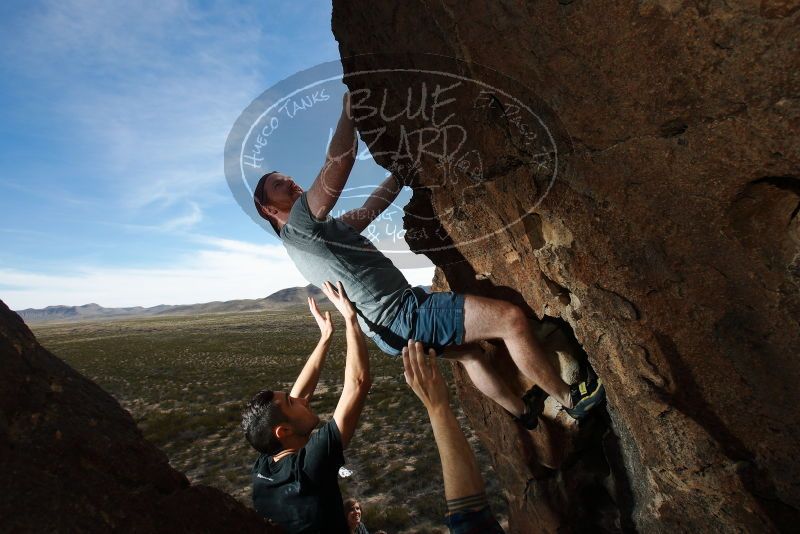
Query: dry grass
{"x":186,"y":379}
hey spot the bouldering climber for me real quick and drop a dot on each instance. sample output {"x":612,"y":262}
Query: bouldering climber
{"x":468,"y":509}
{"x":390,"y":310}
{"x":295,"y":478}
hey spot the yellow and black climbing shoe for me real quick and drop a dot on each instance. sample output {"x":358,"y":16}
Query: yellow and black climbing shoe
{"x":586,"y":395}
{"x":534,"y":405}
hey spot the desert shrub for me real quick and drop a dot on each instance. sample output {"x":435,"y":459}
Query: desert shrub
{"x":369,"y":470}
{"x":431,"y":507}
{"x":186,"y":379}
{"x":181,"y":427}
{"x":389,"y":518}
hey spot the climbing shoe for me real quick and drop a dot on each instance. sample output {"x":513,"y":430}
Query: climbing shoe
{"x":534,"y":405}
{"x":586,"y":395}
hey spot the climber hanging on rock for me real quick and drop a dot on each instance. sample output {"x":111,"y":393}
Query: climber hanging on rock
{"x":390,"y":310}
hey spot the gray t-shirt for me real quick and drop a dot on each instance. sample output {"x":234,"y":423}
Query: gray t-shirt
{"x":332,"y":250}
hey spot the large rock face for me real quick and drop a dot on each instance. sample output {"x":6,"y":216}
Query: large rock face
{"x":72,"y":460}
{"x":652,"y":218}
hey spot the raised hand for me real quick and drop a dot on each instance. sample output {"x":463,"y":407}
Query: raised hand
{"x":339,"y":299}
{"x":422,"y":375}
{"x":323,"y":321}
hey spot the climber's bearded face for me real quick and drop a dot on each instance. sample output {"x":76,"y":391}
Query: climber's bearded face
{"x":280,"y":192}
{"x":300,"y":417}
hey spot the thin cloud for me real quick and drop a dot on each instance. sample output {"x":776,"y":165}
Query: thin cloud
{"x":230,"y":271}
{"x":154,"y":87}
{"x":187,"y":221}
{"x":221,"y":269}
{"x":147,"y":94}
{"x":50,"y":193}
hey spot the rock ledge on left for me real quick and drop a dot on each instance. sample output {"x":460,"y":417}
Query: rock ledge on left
{"x":73,"y":460}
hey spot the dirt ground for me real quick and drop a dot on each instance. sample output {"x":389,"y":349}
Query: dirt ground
{"x":185,"y":380}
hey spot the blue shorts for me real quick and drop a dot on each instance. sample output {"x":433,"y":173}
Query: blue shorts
{"x":473,"y":522}
{"x":435,"y":319}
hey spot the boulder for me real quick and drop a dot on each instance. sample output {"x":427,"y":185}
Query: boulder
{"x":73,"y":460}
{"x":629,"y":173}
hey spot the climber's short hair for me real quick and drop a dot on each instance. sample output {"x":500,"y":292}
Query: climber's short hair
{"x":260,"y":199}
{"x":259,"y":419}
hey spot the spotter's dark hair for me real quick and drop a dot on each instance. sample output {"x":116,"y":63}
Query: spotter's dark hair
{"x":259,"y":419}
{"x":260,"y":199}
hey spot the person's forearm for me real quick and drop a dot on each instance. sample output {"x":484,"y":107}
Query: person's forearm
{"x":356,"y":382}
{"x":356,"y":370}
{"x":306,"y":382}
{"x":332,"y":177}
{"x":344,"y":143}
{"x":383,"y":196}
{"x":459,"y":466}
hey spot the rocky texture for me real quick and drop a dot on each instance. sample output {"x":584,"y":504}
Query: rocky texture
{"x":72,"y":460}
{"x":667,"y":243}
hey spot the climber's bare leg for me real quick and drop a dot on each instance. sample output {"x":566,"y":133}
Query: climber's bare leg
{"x":486,"y":318}
{"x":484,"y":376}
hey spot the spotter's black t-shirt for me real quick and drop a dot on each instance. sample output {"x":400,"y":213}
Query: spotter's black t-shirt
{"x":300,"y":492}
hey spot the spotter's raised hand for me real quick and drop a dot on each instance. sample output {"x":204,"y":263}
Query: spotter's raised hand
{"x":422,"y":374}
{"x":323,"y":321}
{"x":338,"y":297}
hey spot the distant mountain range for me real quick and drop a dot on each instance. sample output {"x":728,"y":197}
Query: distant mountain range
{"x":283,"y":299}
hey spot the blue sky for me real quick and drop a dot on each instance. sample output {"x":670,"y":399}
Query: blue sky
{"x":112,"y":128}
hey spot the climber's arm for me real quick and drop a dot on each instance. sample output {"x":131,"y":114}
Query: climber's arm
{"x":357,"y":380}
{"x":307,"y":380}
{"x":467,"y":507}
{"x":462,"y":479}
{"x":339,"y":161}
{"x":379,"y":200}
